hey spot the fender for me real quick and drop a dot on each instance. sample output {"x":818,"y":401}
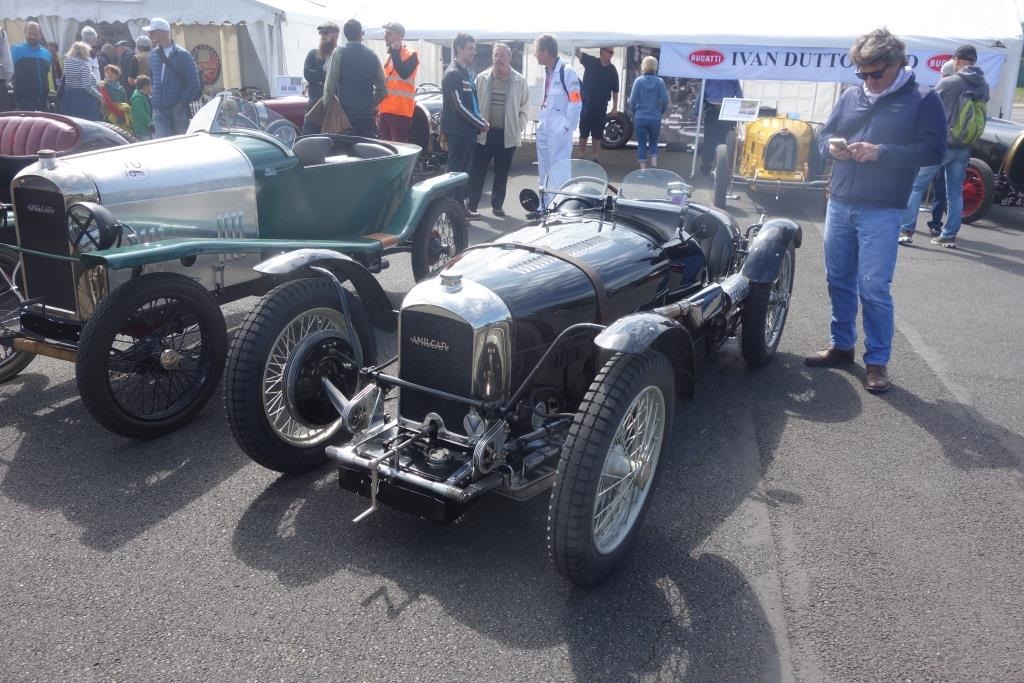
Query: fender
{"x":767,"y":248}
{"x":373,"y":296}
{"x":641,"y":331}
{"x":408,"y":214}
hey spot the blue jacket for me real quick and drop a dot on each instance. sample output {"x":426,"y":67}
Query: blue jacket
{"x":909,"y":127}
{"x":648,"y":98}
{"x":31,"y":76}
{"x":178,"y":84}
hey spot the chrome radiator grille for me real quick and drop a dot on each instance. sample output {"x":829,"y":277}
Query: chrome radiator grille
{"x":436,"y":352}
{"x":41,"y":227}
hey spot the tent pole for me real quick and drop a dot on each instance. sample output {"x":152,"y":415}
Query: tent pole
{"x":696,"y":136}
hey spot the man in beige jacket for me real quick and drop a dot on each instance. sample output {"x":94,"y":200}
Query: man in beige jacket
{"x":504,"y":101}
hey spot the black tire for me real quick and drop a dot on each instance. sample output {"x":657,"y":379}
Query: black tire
{"x":765,"y":310}
{"x":12,"y":361}
{"x":583,"y":553}
{"x":151,"y":355}
{"x":618,"y":130}
{"x":723,"y":175}
{"x":979,"y":190}
{"x":441,"y":234}
{"x":730,"y":147}
{"x":290,"y":441}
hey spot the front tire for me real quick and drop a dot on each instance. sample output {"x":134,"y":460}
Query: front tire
{"x":12,"y":361}
{"x":151,"y":355}
{"x":765,"y":310}
{"x":276,"y":406}
{"x":609,"y":466}
{"x":618,"y":130}
{"x":723,"y":175}
{"x":441,"y":234}
{"x":979,"y":189}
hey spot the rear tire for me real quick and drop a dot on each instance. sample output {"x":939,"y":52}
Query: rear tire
{"x":979,"y":190}
{"x":765,"y":310}
{"x":723,"y":175}
{"x":12,"y":361}
{"x":442,"y":233}
{"x":617,"y":437}
{"x":286,"y":426}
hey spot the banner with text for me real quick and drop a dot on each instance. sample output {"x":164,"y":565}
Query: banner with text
{"x":797,"y":64}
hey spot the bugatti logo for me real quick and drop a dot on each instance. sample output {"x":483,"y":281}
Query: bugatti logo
{"x":428,"y":343}
{"x":40,"y":208}
{"x":706,"y":58}
{"x":935,"y":63}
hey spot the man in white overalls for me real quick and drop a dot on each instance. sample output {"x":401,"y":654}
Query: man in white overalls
{"x":560,"y":111}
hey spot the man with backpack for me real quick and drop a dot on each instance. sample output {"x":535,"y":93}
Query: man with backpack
{"x":175,"y":80}
{"x":963,"y":95}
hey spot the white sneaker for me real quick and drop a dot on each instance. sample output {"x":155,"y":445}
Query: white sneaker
{"x":906,"y":238}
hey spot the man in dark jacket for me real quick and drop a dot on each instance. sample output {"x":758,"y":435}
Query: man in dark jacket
{"x":461,"y":120}
{"x":879,"y":135}
{"x":313,"y":70}
{"x":357,"y":78}
{"x":175,"y":80}
{"x":31,"y":70}
{"x":967,"y":81}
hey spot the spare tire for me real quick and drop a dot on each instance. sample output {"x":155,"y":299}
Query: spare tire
{"x":618,"y":130}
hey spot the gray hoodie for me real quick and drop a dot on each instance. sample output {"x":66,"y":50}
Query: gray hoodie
{"x":969,"y":81}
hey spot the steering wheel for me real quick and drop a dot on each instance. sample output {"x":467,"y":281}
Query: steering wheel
{"x":284,"y":130}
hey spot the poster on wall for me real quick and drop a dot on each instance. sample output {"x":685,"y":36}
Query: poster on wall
{"x":798,"y":64}
{"x":208,"y":62}
{"x":287,"y":85}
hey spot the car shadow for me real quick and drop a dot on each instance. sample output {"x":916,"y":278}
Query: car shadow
{"x":115,"y":488}
{"x":985,"y":253}
{"x":675,"y":609}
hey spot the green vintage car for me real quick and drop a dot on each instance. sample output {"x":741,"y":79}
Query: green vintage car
{"x":121,"y":257}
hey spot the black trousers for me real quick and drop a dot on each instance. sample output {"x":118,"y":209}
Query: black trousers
{"x":460,"y":158}
{"x":495,"y":149}
{"x":714,"y":135}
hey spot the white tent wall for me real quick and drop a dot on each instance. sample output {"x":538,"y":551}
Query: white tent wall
{"x":939,"y":25}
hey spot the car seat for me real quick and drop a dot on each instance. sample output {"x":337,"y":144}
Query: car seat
{"x":313,"y":149}
{"x":715,"y":240}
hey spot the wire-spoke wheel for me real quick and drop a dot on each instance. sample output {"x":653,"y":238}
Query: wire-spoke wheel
{"x":441,"y":235}
{"x":765,"y":310}
{"x":609,"y":466}
{"x":151,"y":355}
{"x":275,"y":398}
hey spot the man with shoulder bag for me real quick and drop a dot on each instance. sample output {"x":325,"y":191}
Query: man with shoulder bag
{"x":175,"y":80}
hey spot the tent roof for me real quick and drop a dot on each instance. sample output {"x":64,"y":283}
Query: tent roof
{"x":177,"y":11}
{"x":924,"y":24}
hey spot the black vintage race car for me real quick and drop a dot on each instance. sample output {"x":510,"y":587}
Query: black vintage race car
{"x":547,"y":359}
{"x":995,"y":172}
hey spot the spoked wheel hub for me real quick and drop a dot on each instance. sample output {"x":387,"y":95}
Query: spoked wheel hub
{"x":324,"y":355}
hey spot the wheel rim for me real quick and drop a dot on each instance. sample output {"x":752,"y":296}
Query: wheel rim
{"x":974,"y":191}
{"x":10,"y":313}
{"x":628,"y":470}
{"x":612,"y":132}
{"x":288,"y":426}
{"x":159,"y":359}
{"x":778,"y":301}
{"x":442,"y":245}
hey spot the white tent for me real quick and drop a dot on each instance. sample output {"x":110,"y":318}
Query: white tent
{"x":281,"y":31}
{"x":925,"y":25}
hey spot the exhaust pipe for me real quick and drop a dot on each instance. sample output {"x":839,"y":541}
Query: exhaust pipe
{"x":713,"y":300}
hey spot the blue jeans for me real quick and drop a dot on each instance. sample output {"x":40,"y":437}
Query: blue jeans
{"x":955,"y":166}
{"x":860,"y":257}
{"x":647,"y":131}
{"x":173,"y":121}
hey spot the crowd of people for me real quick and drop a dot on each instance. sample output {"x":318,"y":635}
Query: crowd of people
{"x":112,"y":82}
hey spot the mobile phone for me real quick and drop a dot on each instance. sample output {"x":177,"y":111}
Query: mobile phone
{"x":838,"y":143}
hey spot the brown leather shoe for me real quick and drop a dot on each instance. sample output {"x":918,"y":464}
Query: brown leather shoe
{"x":829,"y":356}
{"x":877,"y":379}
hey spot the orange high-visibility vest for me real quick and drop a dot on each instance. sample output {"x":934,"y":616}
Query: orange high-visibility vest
{"x":401,"y":91}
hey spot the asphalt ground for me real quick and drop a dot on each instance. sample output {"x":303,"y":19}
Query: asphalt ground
{"x":803,"y":529}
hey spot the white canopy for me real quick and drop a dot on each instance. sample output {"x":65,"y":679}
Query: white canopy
{"x":281,"y":30}
{"x":925,"y":25}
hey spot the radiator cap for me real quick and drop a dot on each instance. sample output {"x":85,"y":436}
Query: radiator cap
{"x":451,"y":281}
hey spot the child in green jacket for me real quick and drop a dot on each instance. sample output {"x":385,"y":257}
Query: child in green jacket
{"x":142,"y":108}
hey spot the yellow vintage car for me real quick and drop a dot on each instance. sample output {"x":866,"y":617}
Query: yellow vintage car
{"x":777,"y":154}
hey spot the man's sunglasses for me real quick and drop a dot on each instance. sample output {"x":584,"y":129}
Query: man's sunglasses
{"x":865,"y":75}
{"x":324,"y":32}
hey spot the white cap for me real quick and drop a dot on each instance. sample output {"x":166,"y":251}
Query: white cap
{"x":157,"y":24}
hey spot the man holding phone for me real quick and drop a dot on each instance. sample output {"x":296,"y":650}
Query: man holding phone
{"x":879,"y":134}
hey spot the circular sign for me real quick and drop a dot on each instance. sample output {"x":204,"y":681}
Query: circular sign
{"x":208,"y":62}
